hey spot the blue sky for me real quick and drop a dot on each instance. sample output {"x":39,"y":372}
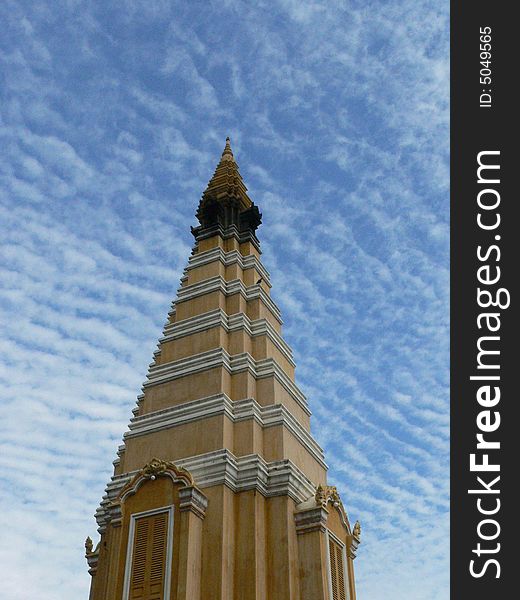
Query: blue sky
{"x":112,"y":118}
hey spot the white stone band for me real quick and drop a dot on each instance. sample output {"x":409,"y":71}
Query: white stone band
{"x":227,"y":259}
{"x":236,"y":322}
{"x":267,"y":416}
{"x":219,"y":357}
{"x":228,"y":288}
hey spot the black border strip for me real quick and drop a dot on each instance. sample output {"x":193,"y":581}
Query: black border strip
{"x":481,"y":123}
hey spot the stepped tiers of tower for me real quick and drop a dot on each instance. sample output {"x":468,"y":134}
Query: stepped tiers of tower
{"x":219,"y":490}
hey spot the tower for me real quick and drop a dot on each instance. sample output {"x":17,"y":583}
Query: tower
{"x":219,"y":490}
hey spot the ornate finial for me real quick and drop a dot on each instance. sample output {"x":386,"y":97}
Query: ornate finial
{"x":89,"y":545}
{"x":326,"y":493}
{"x":356,"y":532}
{"x":155,"y":467}
{"x":227,"y":154}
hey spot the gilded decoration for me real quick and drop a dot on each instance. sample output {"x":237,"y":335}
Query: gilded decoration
{"x":156,"y":468}
{"x":325,"y":494}
{"x":89,"y":546}
{"x":356,"y":532}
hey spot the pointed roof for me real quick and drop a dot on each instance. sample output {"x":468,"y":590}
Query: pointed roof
{"x":227,"y":183}
{"x":225,"y":206}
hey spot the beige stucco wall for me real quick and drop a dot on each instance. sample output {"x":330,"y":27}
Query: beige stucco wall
{"x":246,"y":547}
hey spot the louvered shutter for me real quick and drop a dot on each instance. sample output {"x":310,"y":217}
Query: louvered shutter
{"x":147,"y":577}
{"x":337,"y":573}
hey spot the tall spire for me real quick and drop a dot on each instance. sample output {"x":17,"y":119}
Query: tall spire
{"x":225,"y":204}
{"x":219,"y":488}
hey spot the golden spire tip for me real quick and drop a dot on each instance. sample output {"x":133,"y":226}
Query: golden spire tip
{"x":227,"y":153}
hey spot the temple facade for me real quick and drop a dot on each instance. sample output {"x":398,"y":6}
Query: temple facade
{"x":219,"y":489}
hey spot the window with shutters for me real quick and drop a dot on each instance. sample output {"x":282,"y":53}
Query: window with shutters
{"x":147,"y":575}
{"x":337,"y":574}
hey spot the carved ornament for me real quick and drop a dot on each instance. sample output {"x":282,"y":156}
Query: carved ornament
{"x":325,"y":494}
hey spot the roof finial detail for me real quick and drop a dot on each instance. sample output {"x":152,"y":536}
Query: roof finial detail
{"x":227,"y":154}
{"x":226,"y":181}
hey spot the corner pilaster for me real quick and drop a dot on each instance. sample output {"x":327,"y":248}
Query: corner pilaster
{"x":312,"y":550}
{"x":192,"y":508}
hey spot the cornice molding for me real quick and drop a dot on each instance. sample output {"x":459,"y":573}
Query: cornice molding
{"x":231,"y":231}
{"x":236,"y":322}
{"x":193,"y":500}
{"x":266,"y":416}
{"x":228,"y":288}
{"x":219,"y":357}
{"x":311,"y":519}
{"x":221,"y":467}
{"x":227,"y":259}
